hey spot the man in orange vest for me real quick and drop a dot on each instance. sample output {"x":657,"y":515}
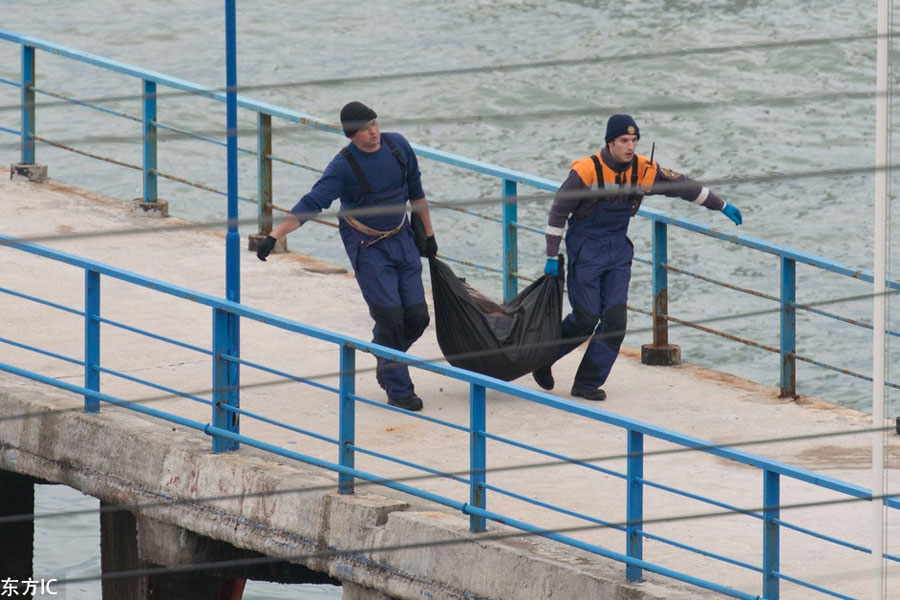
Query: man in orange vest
{"x":599,"y":197}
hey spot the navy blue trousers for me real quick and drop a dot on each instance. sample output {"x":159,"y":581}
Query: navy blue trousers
{"x":389,"y":274}
{"x":598,"y":277}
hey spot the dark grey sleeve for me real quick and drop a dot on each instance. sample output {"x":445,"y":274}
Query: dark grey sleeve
{"x":565,"y":202}
{"x":677,"y":185}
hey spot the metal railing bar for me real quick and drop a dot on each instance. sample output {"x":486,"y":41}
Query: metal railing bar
{"x":284,"y":374}
{"x":88,"y":154}
{"x":470,"y":264}
{"x":155,"y":336}
{"x":83,"y":391}
{"x":267,"y":420}
{"x":198,"y":136}
{"x":554,"y":455}
{"x":411,"y":465}
{"x":764,"y":246}
{"x":96,"y":107}
{"x":723,"y":284}
{"x":727,"y":336}
{"x":553,"y":508}
{"x":24,"y":296}
{"x":644,"y":261}
{"x":842,"y":371}
{"x":11,"y":82}
{"x":856,"y":322}
{"x":201,"y":186}
{"x":37,"y":350}
{"x":157,"y":386}
{"x":296,"y":164}
{"x":700,"y":551}
{"x":465,"y":211}
{"x":403,"y":411}
{"x":822,"y":536}
{"x":811,"y":586}
{"x":640,"y":311}
{"x":678,"y":492}
{"x":12,"y":131}
{"x":528,"y":228}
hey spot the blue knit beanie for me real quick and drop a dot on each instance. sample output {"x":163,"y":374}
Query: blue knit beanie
{"x":621,"y":125}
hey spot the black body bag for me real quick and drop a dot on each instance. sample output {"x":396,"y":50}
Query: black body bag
{"x":504,"y":341}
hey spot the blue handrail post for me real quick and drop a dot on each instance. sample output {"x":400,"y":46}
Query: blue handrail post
{"x":771,"y":558}
{"x":225,"y":382}
{"x":477,"y":456}
{"x":91,"y":339}
{"x":510,"y":241}
{"x":347,"y":417}
{"x":660,"y":352}
{"x":264,"y":169}
{"x":788,"y":327}
{"x":148,"y":131}
{"x":28,"y":115}
{"x":232,"y":327}
{"x":635,"y":501}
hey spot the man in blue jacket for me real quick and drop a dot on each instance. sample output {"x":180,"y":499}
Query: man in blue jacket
{"x":599,"y":197}
{"x":373,"y":176}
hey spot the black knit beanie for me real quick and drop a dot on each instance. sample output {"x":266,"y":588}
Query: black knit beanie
{"x":621,"y":125}
{"x":354,"y":117}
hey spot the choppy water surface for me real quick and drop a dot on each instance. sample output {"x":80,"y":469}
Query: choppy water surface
{"x":739,"y":118}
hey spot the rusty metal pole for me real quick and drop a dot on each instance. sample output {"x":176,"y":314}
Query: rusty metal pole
{"x":660,"y":352}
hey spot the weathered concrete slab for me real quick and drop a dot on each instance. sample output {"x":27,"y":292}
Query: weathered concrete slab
{"x":286,"y":510}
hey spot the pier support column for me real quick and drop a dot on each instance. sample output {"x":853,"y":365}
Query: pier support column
{"x":118,"y":552}
{"x":17,"y":498}
{"x":161,"y":543}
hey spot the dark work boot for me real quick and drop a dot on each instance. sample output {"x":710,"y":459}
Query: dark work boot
{"x":544,"y":377}
{"x":411,"y":403}
{"x":588,"y":393}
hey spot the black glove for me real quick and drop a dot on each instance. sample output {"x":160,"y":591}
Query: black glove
{"x":430,"y":247}
{"x":265,"y":247}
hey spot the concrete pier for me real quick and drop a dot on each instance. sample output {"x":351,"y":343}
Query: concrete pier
{"x":188,"y":506}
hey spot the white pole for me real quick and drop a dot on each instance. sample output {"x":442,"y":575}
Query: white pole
{"x":879,"y":274}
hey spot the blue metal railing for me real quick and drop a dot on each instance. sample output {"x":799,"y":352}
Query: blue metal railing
{"x":225,"y":433}
{"x":510,"y":179}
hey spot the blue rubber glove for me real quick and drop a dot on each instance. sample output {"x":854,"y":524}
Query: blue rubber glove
{"x":552,"y":267}
{"x":731,"y":211}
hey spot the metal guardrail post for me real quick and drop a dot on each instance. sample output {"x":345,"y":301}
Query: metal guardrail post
{"x":510,"y":241}
{"x":225,"y":382}
{"x":660,"y":352}
{"x":347,"y":409}
{"x":91,"y":339}
{"x":28,"y":114}
{"x":148,"y":137}
{"x":635,"y":502}
{"x":264,"y":168}
{"x":771,"y":538}
{"x":477,"y":455}
{"x":788,"y":327}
